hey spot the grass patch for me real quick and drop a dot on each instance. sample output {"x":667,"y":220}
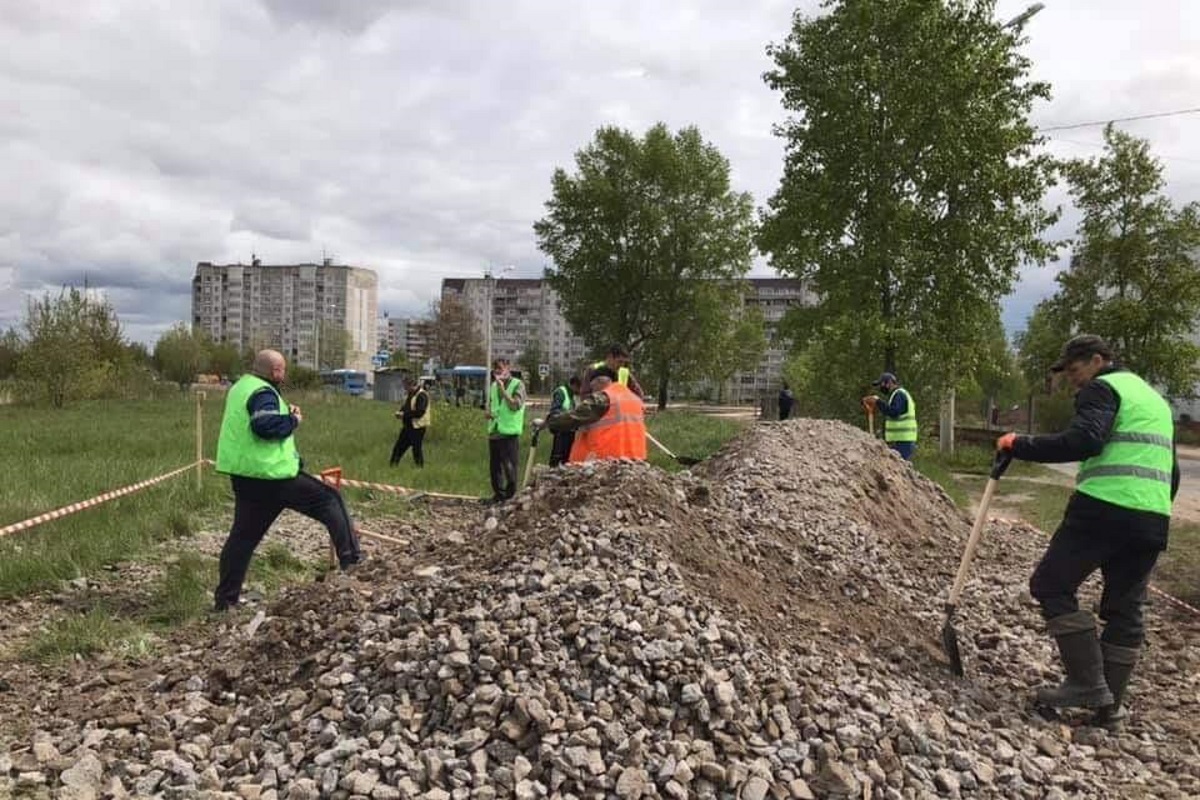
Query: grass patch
{"x":275,"y":566}
{"x":85,"y":635}
{"x":937,"y":472}
{"x":1178,"y":567}
{"x":975,"y":460}
{"x":184,"y":591}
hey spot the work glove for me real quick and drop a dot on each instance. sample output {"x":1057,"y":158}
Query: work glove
{"x":538,"y":423}
{"x":868,"y":403}
{"x":1006,"y":441}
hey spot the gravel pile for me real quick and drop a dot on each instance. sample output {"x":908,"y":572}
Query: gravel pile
{"x":765,"y":625}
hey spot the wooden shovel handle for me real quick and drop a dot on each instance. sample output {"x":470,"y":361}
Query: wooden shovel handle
{"x":1001,"y":462}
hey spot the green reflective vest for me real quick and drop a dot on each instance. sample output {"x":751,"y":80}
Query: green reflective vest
{"x":622,"y":373}
{"x":1134,"y":468}
{"x":505,"y":421}
{"x":904,"y":427}
{"x":239,"y":451}
{"x":567,"y":405}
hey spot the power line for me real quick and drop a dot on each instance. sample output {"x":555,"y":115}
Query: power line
{"x":1176,"y":113}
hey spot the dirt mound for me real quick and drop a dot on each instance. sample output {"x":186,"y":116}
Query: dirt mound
{"x":765,"y":624}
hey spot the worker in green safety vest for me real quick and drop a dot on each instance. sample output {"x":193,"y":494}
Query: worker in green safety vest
{"x":563,"y":399}
{"x":506,"y":422}
{"x":899,"y":412}
{"x":257,"y":450}
{"x":1116,"y":521}
{"x":616,"y":358}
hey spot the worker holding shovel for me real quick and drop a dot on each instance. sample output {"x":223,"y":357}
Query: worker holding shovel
{"x":1116,"y":521}
{"x":608,"y":423}
{"x":899,"y":415}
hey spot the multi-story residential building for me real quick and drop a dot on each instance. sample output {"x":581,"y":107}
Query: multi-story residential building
{"x":524,"y":310}
{"x":286,"y":306}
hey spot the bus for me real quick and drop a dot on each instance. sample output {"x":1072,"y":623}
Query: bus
{"x":344,"y":381}
{"x":465,"y":384}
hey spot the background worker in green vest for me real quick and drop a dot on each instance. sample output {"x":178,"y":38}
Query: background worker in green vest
{"x":899,"y":412}
{"x":616,"y":358}
{"x":257,"y":450}
{"x":563,"y":399}
{"x":415,"y":415}
{"x":1116,"y":522}
{"x":506,"y":422}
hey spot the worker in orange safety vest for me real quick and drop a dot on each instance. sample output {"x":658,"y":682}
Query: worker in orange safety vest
{"x":608,"y":423}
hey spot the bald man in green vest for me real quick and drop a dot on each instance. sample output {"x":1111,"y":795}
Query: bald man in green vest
{"x":257,"y":450}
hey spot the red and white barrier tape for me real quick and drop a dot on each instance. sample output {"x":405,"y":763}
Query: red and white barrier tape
{"x":384,"y":487}
{"x":95,"y":501}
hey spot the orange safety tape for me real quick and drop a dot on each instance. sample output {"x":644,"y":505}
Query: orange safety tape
{"x":384,"y":487}
{"x":95,"y":501}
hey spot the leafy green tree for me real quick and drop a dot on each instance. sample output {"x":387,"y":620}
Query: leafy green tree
{"x":739,"y":348}
{"x":648,"y":240}
{"x":399,"y":359}
{"x":179,"y":354}
{"x":11,"y":347}
{"x":223,"y":358}
{"x":138,"y":355}
{"x":1134,"y":278}
{"x":911,"y":194}
{"x":303,"y":378}
{"x":1038,"y":346}
{"x":73,"y":350}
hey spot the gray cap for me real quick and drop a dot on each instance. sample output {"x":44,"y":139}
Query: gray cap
{"x":1081,"y":348}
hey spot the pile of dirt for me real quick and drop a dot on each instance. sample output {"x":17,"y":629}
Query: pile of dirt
{"x":765,"y":624}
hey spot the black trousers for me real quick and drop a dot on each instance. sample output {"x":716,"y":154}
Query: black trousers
{"x":409,"y":437}
{"x":256,"y":504}
{"x":1085,"y":542}
{"x":560,"y":448}
{"x":503,"y":457}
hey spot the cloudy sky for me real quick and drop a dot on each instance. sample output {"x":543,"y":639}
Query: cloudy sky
{"x":417,"y":137}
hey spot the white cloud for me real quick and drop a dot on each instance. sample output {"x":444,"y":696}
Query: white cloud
{"x":418,"y":137}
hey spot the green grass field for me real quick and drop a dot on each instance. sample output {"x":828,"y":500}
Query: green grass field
{"x":57,"y":457}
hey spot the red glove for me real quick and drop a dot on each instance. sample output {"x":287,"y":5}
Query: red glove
{"x":1006,"y":441}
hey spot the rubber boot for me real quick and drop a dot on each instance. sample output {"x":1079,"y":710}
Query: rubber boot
{"x":1119,"y":663}
{"x":1084,"y":685}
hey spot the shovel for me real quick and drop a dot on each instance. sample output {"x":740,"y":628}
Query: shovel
{"x":684,"y":460}
{"x":949,"y":634}
{"x":532,"y":454}
{"x":871,"y":423}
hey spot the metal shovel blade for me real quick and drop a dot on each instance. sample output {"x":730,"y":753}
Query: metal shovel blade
{"x":950,"y":643}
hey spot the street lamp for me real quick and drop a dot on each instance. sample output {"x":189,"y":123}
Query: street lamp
{"x":1023,"y":17}
{"x":489,"y":287}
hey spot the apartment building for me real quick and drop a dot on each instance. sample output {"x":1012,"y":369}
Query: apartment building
{"x":523,"y":310}
{"x":287,"y":306}
{"x":528,"y":309}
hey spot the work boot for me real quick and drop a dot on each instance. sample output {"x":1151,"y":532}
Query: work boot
{"x":1084,"y":685}
{"x":1119,"y":663}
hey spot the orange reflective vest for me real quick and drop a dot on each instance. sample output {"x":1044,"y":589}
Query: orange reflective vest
{"x":620,"y":433}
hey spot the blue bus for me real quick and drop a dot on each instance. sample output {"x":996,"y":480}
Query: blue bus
{"x":344,"y":381}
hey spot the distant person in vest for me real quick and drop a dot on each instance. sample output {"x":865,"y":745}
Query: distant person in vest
{"x":415,"y":415}
{"x":899,"y":415}
{"x":617,"y":359}
{"x":1116,"y":521}
{"x":562,"y":401}
{"x":786,"y":401}
{"x":608,"y":423}
{"x":506,"y":422}
{"x":257,"y":450}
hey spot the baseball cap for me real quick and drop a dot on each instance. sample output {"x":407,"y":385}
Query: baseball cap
{"x":886,"y":377}
{"x":1081,"y":348}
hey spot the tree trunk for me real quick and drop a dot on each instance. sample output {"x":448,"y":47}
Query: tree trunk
{"x":663,"y":382}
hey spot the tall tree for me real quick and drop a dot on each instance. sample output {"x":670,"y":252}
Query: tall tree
{"x":647,"y":240}
{"x":739,"y":348}
{"x":1039,"y":344}
{"x":532,"y":355}
{"x":1134,"y":277}
{"x":910,"y":194}
{"x":74,"y":348}
{"x":179,"y":354}
{"x":333,"y":345}
{"x":454,"y":335}
{"x":223,"y":358}
{"x":11,"y":346}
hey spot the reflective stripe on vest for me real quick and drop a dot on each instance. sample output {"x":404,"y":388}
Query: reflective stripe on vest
{"x":239,"y":451}
{"x":620,"y":433}
{"x":622,"y":372}
{"x":567,"y":405}
{"x":904,"y":427}
{"x":426,"y":418}
{"x":505,"y":421}
{"x":1134,"y":468}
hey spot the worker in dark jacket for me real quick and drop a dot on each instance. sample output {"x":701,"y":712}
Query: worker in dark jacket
{"x":1116,"y":521}
{"x":415,"y":416}
{"x":562,"y":401}
{"x":257,"y":449}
